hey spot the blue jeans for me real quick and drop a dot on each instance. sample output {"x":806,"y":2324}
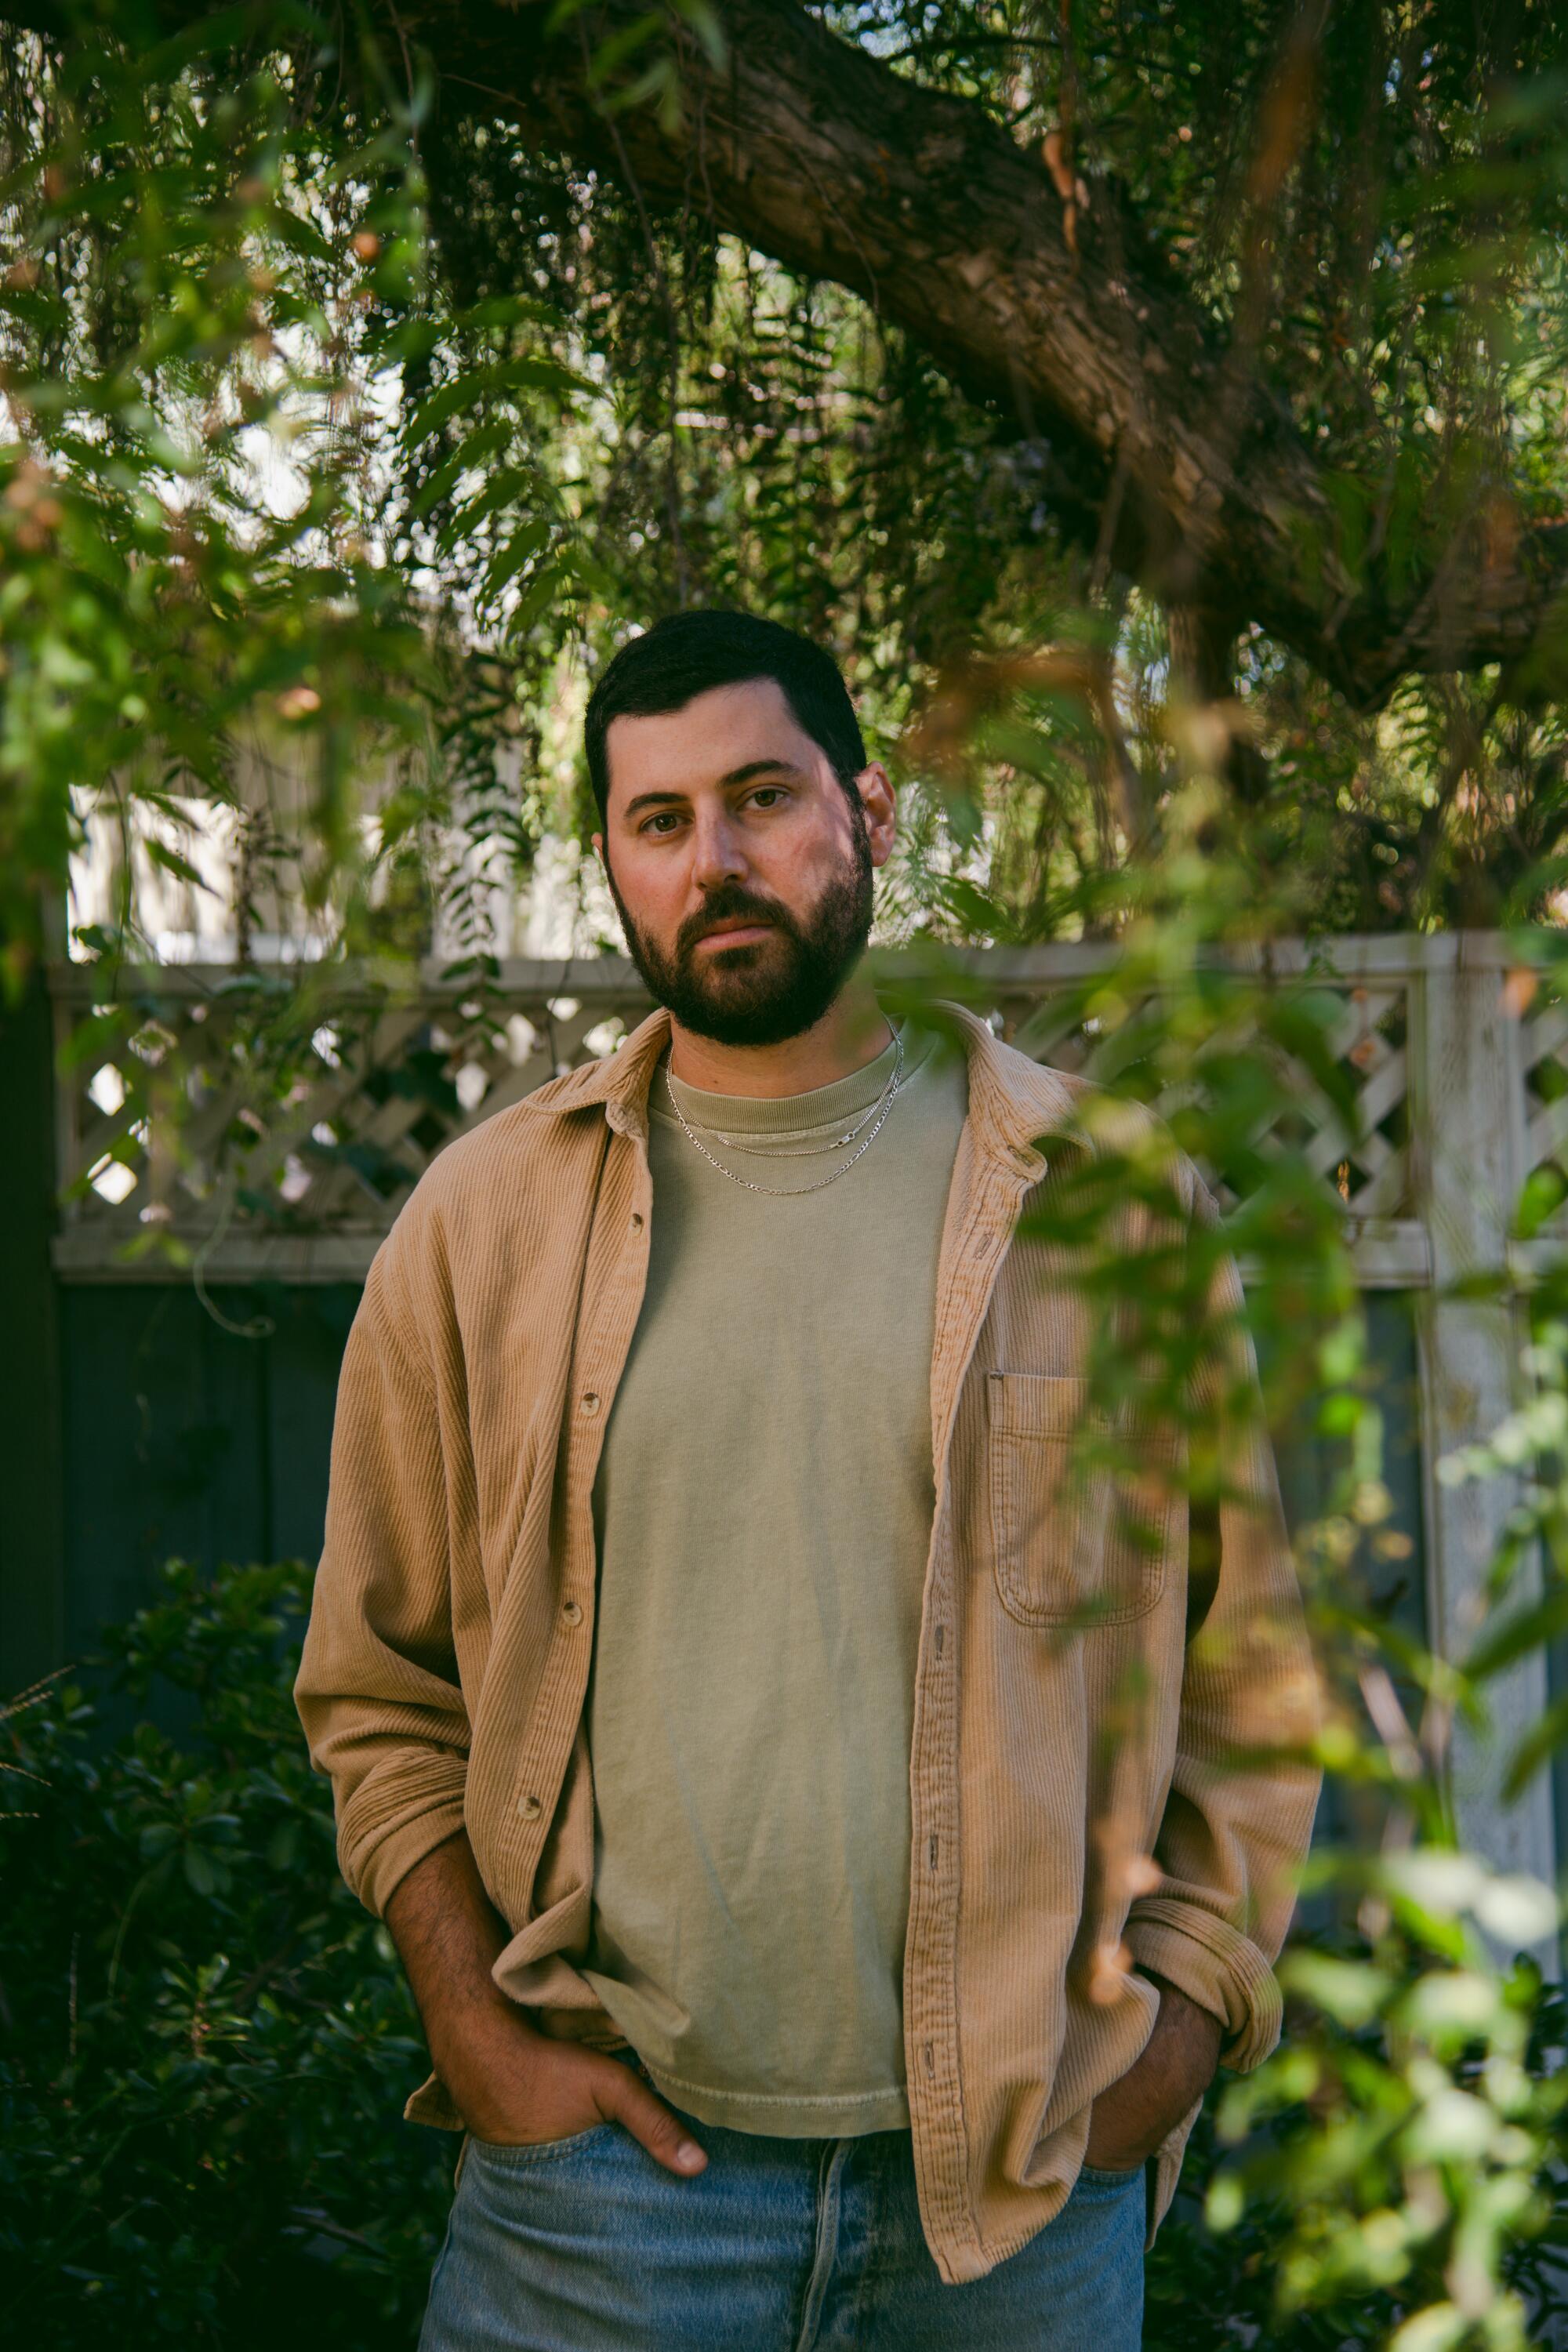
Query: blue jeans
{"x":585,"y":2244}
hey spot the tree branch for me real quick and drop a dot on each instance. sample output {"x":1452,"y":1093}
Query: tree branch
{"x":818,"y":154}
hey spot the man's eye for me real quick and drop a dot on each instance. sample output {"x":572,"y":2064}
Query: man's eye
{"x":664,"y":817}
{"x":766,"y":794}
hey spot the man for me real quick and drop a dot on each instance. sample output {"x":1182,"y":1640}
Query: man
{"x":718,"y":1639}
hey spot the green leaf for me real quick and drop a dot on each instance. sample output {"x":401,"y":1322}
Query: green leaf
{"x":501,"y":380}
{"x":512,"y":556}
{"x":540,"y":593}
{"x":201,"y":1871}
{"x":1541,"y":1741}
{"x":170,"y":860}
{"x":1530,"y":1629}
{"x":1350,"y":1992}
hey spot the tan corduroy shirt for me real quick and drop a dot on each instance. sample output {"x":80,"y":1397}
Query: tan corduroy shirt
{"x":445,"y":1665}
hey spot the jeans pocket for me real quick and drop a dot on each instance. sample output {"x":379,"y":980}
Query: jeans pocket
{"x":516,"y":2156}
{"x":1098,"y":2177}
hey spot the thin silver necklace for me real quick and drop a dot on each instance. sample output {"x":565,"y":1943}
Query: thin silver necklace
{"x":896,"y":1085}
{"x":789,"y":1191}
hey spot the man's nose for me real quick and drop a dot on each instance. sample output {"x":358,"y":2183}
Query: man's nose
{"x":717,"y":855}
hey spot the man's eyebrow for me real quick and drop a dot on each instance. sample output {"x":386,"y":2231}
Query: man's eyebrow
{"x":650,"y":800}
{"x":742,"y":775}
{"x":761,"y":768}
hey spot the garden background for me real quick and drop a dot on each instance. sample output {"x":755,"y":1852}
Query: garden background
{"x":1161,"y":411}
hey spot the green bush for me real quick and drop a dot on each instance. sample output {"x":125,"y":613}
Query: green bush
{"x":205,"y":2043}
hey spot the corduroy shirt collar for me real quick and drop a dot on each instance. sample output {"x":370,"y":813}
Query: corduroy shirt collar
{"x":1012,"y":1105}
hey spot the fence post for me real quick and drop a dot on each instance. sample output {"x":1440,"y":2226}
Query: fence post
{"x":1468,"y":1109}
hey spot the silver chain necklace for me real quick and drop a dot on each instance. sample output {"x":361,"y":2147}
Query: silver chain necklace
{"x":789,"y":1191}
{"x":807,"y":1150}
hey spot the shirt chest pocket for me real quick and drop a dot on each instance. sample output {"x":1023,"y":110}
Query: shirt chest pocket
{"x":1082,"y":1507}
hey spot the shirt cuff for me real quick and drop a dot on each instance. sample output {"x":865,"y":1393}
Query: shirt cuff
{"x":394,"y":1820}
{"x":1215,"y":1966}
{"x":432,"y":2104}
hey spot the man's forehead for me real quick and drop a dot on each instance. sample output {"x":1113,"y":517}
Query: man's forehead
{"x":726,"y":727}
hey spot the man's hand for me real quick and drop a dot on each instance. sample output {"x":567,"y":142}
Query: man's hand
{"x":510,"y":2083}
{"x":1132,"y":2117}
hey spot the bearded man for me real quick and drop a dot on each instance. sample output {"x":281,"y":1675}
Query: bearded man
{"x":717,"y":1659}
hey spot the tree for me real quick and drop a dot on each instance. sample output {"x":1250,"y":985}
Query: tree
{"x":1037,"y":281}
{"x":1033,"y":278}
{"x":1250,"y":315}
{"x":1226,"y":344}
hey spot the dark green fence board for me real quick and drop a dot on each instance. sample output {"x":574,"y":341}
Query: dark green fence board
{"x":32,"y":1482}
{"x":189,"y":1436}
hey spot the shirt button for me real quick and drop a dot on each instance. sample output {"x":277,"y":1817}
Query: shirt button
{"x":530,"y":1806}
{"x":590,"y":1403}
{"x":637,"y":1220}
{"x":572,"y":1611}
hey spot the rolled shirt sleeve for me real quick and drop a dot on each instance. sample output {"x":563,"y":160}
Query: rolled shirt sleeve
{"x":378,"y":1691}
{"x":1238,"y":1818}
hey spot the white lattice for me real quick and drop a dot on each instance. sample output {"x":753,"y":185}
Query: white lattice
{"x":1365,"y":1159}
{"x":1544,"y":1058}
{"x":231,"y":1109}
{"x":188,"y":1102}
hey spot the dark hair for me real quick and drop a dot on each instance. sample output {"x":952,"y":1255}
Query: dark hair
{"x":688,"y":653}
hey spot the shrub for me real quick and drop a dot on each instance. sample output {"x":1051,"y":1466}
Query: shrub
{"x":207,"y":2042}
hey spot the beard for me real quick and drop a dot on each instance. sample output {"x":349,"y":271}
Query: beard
{"x":766,"y":990}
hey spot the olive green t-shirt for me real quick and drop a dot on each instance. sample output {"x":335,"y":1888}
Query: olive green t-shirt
{"x":763,"y":1509}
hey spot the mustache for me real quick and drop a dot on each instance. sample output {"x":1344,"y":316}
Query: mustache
{"x":731,"y":903}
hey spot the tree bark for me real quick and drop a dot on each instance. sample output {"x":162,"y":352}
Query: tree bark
{"x":817,"y":153}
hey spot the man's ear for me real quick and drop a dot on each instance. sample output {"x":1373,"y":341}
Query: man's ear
{"x":878,"y":802}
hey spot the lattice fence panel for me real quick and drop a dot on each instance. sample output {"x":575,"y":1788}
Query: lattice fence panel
{"x":213,"y":1103}
{"x":187,"y":1107}
{"x":1365,"y":1161}
{"x":1543,"y":1059}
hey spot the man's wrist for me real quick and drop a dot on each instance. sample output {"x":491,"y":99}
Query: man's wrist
{"x":1186,"y":2014}
{"x":448,"y":1935}
{"x":1133,"y":2116}
{"x":472,"y":2035}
